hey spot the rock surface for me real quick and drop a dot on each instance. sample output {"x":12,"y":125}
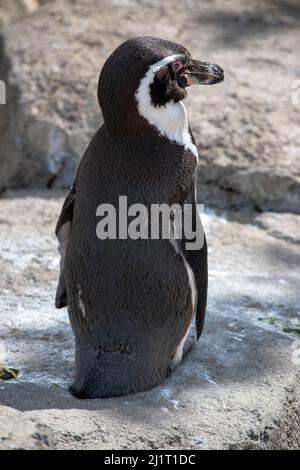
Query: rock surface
{"x":247,"y":128}
{"x":13,"y":10}
{"x":239,"y":387}
{"x":18,"y":432}
{"x":285,"y":226}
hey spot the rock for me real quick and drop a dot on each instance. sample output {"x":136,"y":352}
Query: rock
{"x":239,"y":388}
{"x":15,"y":9}
{"x":247,"y":128}
{"x":18,"y":432}
{"x":284,"y":226}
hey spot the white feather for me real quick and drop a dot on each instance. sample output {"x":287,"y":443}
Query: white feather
{"x":170,"y":120}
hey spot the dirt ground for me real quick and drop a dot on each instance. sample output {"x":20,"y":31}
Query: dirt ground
{"x":247,"y":128}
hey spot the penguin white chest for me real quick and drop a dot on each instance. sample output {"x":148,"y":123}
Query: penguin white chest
{"x":171,"y":119}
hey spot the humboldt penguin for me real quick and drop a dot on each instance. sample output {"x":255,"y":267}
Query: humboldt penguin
{"x":131,"y":302}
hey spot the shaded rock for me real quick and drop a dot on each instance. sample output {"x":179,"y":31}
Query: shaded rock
{"x":18,"y":432}
{"x":284,"y":226}
{"x":247,"y":128}
{"x":14,"y":10}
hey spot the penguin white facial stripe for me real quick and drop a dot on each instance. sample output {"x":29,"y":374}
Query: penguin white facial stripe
{"x":170,"y":120}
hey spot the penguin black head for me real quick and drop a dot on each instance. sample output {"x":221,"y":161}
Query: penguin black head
{"x":146,"y":76}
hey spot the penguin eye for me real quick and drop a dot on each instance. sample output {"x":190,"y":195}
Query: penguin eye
{"x":177,"y":65}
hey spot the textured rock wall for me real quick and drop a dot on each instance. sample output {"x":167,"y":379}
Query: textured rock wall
{"x":247,"y":128}
{"x":13,"y":10}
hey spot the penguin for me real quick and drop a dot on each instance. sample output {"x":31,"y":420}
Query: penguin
{"x":131,"y":302}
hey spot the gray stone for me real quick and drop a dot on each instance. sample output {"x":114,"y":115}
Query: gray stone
{"x":237,"y":389}
{"x":18,"y":432}
{"x":247,"y":128}
{"x":284,"y":226}
{"x":14,"y":10}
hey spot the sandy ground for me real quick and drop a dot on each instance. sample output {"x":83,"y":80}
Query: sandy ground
{"x":238,"y":388}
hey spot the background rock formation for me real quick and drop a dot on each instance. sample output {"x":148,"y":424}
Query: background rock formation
{"x":14,"y":10}
{"x":247,"y":129}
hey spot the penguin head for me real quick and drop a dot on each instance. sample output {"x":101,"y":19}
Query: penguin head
{"x":145,"y":76}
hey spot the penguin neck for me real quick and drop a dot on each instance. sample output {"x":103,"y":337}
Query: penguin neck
{"x":169,"y":120}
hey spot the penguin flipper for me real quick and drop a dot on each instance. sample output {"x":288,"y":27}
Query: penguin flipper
{"x":197,"y":260}
{"x":62,"y":232}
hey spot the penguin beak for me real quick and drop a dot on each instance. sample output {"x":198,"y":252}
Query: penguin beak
{"x":203,"y":73}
